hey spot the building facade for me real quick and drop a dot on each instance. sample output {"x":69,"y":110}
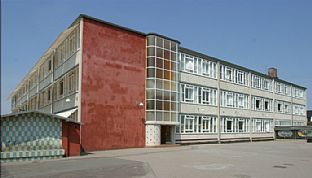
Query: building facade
{"x":131,"y":89}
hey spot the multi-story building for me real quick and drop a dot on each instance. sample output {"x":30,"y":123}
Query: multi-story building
{"x":131,"y":89}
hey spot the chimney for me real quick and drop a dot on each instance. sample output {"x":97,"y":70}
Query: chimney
{"x":272,"y":72}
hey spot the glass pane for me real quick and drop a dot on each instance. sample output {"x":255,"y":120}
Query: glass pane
{"x":173,"y":46}
{"x":166,"y":116}
{"x":166,"y":85}
{"x":173,"y":117}
{"x":150,"y":105}
{"x":173,"y":56}
{"x":166,"y":54}
{"x":159,"y":42}
{"x":167,"y":44}
{"x":173,"y":106}
{"x":173,"y":76}
{"x":166,"y":95}
{"x":159,"y":52}
{"x":150,"y":72}
{"x":166,"y":75}
{"x":150,"y":93}
{"x":150,"y":115}
{"x":167,"y":105}
{"x":159,"y":116}
{"x":159,"y":62}
{"x":151,"y":51}
{"x":150,"y":40}
{"x":151,"y":61}
{"x":173,"y":66}
{"x":173,"y":86}
{"x":166,"y":64}
{"x":159,"y":73}
{"x":151,"y":83}
{"x":173,"y":96}
{"x":159,"y":84}
{"x":159,"y":105}
{"x":159,"y":94}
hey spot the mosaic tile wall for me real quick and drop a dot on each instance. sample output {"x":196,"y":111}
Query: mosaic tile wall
{"x":31,"y":135}
{"x":152,"y":135}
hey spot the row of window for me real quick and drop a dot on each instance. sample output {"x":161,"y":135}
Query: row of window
{"x":289,"y":123}
{"x":282,"y":107}
{"x":261,"y":104}
{"x":195,"y":65}
{"x":65,"y":86}
{"x":233,"y":75}
{"x":208,"y":124}
{"x":199,"y":66}
{"x":196,"y":124}
{"x":198,"y":95}
{"x":261,"y":83}
{"x":67,"y":48}
{"x":162,"y":43}
{"x":234,"y":100}
{"x":208,"y":96}
{"x":298,"y":109}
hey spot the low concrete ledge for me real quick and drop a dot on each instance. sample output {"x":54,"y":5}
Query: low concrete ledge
{"x":31,"y":155}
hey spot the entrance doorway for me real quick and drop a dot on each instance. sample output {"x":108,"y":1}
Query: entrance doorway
{"x":166,"y":137}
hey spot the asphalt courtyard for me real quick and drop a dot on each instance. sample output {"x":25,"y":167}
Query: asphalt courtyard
{"x":278,"y":159}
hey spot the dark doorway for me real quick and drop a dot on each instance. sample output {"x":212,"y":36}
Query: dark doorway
{"x":165,"y":134}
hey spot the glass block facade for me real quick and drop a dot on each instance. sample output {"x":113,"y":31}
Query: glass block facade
{"x":161,"y":81}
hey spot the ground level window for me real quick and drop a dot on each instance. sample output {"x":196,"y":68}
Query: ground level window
{"x":189,"y":124}
{"x":229,"y":126}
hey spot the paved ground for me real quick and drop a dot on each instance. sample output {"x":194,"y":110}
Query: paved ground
{"x":283,"y":158}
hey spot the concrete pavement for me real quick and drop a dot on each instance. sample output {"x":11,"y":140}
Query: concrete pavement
{"x":282,"y":158}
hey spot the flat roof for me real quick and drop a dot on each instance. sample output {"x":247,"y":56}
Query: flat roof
{"x":38,"y":112}
{"x":122,"y":27}
{"x":195,"y":53}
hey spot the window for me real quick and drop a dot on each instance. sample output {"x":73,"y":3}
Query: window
{"x":229,"y":126}
{"x":234,"y":100}
{"x":206,"y":124}
{"x":206,"y":96}
{"x":50,"y":65}
{"x":49,"y":95}
{"x":258,"y":126}
{"x":71,"y":83}
{"x":257,"y":82}
{"x":197,"y":65}
{"x":278,"y":88}
{"x":61,"y":87}
{"x":189,"y":93}
{"x":189,"y":124}
{"x":241,"y":125}
{"x":206,"y":67}
{"x":197,"y":94}
{"x":196,"y":124}
{"x":229,"y":99}
{"x":228,"y":74}
{"x":258,"y":105}
{"x":265,"y":85}
{"x":241,"y":101}
{"x":279,"y":107}
{"x":189,"y":64}
{"x":240,"y":77}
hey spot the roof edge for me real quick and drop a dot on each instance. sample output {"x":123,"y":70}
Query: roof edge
{"x":39,"y":112}
{"x":107,"y":23}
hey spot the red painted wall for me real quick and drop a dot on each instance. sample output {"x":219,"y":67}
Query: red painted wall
{"x":113,"y":85}
{"x":71,"y":138}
